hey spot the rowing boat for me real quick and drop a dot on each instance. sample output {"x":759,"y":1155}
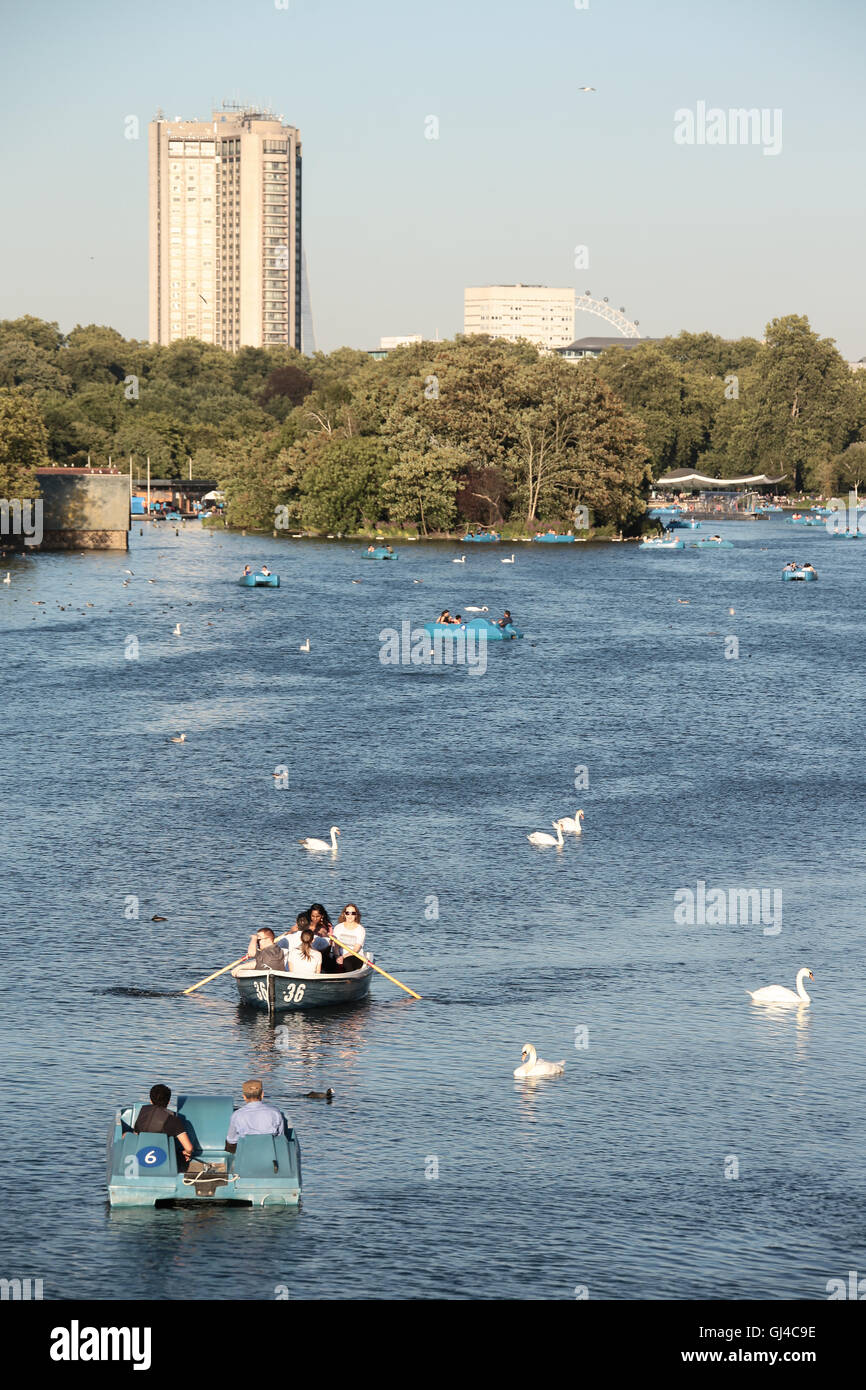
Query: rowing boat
{"x":276,"y":991}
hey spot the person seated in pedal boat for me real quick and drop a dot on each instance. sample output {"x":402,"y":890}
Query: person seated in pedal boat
{"x":371,"y":549}
{"x":264,"y":952}
{"x":254,"y":1117}
{"x":714,"y":538}
{"x":349,"y":932}
{"x":266,"y":571}
{"x":444,"y":616}
{"x":247,"y":570}
{"x":505,"y":620}
{"x":303,"y":960}
{"x":809,"y":569}
{"x":792,"y":567}
{"x":156,"y":1118}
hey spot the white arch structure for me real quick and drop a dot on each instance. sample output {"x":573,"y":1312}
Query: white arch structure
{"x":585,"y":304}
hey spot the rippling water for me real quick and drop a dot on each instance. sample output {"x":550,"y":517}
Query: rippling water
{"x":743,"y":772}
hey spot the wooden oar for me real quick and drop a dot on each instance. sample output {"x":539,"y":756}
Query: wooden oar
{"x":351,"y":952}
{"x":239,"y":961}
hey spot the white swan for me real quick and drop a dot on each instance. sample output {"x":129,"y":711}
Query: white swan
{"x":504,"y":561}
{"x":485,"y":609}
{"x":572,"y":827}
{"x":536,"y":1066}
{"x":8,"y":579}
{"x":321,"y":846}
{"x":176,"y":632}
{"x":539,"y":837}
{"x":305,"y":646}
{"x":777,"y":994}
{"x":461,"y":561}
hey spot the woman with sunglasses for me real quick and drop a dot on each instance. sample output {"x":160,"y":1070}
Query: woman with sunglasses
{"x":349,"y":932}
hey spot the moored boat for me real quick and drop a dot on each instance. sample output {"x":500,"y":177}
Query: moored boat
{"x":554,"y":540}
{"x":276,"y":991}
{"x":260,"y":581}
{"x":656,"y":543}
{"x":143,"y":1170}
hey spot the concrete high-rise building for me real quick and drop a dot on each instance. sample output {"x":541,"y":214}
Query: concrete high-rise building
{"x":225,"y":230}
{"x":542,"y":315}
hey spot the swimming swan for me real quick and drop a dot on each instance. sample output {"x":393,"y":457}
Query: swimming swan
{"x":539,"y":837}
{"x":176,"y":632}
{"x":461,"y":561}
{"x":305,"y":646}
{"x":572,"y":827}
{"x":321,"y":846}
{"x":536,"y":1066}
{"x":8,"y":579}
{"x":777,"y":994}
{"x":485,"y":609}
{"x":503,"y":561}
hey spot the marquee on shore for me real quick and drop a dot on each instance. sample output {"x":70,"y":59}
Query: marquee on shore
{"x":682,"y":478}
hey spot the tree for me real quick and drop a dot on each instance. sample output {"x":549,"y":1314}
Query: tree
{"x":847,"y":471}
{"x":675,"y":403}
{"x":23,"y":445}
{"x":341,"y":487}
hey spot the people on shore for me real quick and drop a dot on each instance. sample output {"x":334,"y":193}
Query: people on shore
{"x":156,"y":1118}
{"x":254,"y":1117}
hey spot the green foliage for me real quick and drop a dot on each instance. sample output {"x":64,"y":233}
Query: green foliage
{"x":23,"y":445}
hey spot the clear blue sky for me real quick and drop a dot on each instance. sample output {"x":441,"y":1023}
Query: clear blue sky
{"x":526,"y":167}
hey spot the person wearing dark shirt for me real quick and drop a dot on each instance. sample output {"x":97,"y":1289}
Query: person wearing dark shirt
{"x":505,"y":620}
{"x":157,"y":1119}
{"x":268,"y":955}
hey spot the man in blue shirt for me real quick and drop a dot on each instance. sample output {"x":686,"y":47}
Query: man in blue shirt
{"x":254,"y":1117}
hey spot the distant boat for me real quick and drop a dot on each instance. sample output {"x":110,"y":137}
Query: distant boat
{"x":260,"y":581}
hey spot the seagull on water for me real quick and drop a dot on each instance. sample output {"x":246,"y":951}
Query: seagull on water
{"x":180,"y":738}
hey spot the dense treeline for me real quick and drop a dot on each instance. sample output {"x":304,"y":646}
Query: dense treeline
{"x":436,"y":434}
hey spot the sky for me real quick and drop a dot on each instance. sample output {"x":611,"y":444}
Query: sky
{"x":526,"y":167}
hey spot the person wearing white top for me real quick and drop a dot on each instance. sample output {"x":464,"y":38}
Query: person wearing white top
{"x":304,"y":960}
{"x":349,"y":932}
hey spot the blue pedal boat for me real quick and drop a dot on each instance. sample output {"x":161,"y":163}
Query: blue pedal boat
{"x":487,"y":537}
{"x":259,"y":581}
{"x":554,"y":540}
{"x":707,"y":544}
{"x":494,"y":633}
{"x":381,"y":552}
{"x":800,"y":574}
{"x":143,"y":1170}
{"x":656,"y":543}
{"x":276,"y":991}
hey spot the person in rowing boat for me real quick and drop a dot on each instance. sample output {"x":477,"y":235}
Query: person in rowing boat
{"x":264,"y":949}
{"x":349,"y":932}
{"x":254,"y":1117}
{"x":156,"y":1118}
{"x":323,"y":931}
{"x":303,"y":960}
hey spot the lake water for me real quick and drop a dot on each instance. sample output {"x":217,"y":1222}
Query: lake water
{"x":741,"y":771}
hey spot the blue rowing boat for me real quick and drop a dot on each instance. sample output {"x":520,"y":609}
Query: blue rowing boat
{"x":492,"y":631}
{"x":143,"y":1170}
{"x":276,"y":991}
{"x":259,"y":581}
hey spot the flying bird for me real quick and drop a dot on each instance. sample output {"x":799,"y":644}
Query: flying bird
{"x":586,"y":89}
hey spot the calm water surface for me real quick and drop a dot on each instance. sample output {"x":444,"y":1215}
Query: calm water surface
{"x":744,"y":772}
